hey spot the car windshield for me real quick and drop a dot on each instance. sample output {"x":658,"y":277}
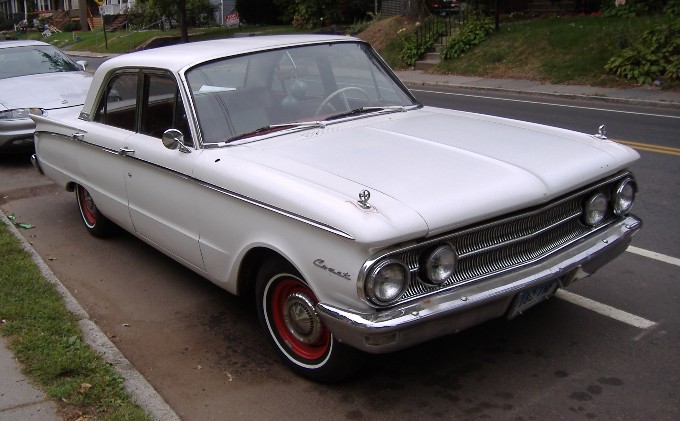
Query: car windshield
{"x":33,"y":59}
{"x":253,"y":94}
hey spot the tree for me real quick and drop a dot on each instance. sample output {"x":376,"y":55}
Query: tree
{"x":182,"y":12}
{"x":185,"y":12}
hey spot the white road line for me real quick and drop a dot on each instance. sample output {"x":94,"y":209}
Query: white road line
{"x":546,"y":103}
{"x":653,"y":255}
{"x":604,"y":309}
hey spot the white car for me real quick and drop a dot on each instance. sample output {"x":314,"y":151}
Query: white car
{"x":36,"y":77}
{"x":298,"y":171}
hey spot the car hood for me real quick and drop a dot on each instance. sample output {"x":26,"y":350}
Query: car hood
{"x":48,"y":91}
{"x":449,"y":168}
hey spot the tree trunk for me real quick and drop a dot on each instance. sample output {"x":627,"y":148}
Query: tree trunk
{"x":416,"y":9}
{"x":182,"y":12}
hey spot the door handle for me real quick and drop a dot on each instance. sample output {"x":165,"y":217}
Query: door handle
{"x":79,"y":136}
{"x":125,"y":151}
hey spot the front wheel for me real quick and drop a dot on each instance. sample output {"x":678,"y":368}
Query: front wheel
{"x":96,"y":223}
{"x":286,"y":307}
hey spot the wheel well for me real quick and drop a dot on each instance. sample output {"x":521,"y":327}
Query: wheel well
{"x":71,"y":186}
{"x":250,"y":266}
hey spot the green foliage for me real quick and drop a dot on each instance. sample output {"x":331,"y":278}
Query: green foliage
{"x":672,"y":9}
{"x":631,"y":8}
{"x":655,"y":54}
{"x":359,"y":26}
{"x":146,"y":12}
{"x":308,"y":13}
{"x":472,"y":33}
{"x":428,"y":32}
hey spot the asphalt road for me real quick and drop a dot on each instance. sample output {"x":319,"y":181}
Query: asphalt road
{"x":204,"y":352}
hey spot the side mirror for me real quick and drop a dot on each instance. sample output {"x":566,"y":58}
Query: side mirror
{"x":82,"y":64}
{"x":174,"y":139}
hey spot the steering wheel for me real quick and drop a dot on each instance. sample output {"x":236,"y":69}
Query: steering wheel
{"x":344,"y":98}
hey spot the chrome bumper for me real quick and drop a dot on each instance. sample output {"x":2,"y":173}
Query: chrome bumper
{"x":470,"y":305}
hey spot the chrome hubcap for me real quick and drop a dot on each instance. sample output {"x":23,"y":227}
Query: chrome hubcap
{"x":301,"y":319}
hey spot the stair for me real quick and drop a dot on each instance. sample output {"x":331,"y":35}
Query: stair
{"x":432,"y":59}
{"x":95,"y":22}
{"x":118,"y":22}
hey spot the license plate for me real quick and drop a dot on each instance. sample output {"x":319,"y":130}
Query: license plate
{"x":530,"y":297}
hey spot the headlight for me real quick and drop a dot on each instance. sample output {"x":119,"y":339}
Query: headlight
{"x":624,"y":196}
{"x":18,"y":113}
{"x":596,"y":208}
{"x":440,"y":264}
{"x":387,"y":281}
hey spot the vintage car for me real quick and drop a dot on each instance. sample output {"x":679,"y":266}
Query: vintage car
{"x":36,"y":77}
{"x":298,"y":171}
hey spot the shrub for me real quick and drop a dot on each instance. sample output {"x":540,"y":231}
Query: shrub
{"x":655,"y":54}
{"x":472,"y":33}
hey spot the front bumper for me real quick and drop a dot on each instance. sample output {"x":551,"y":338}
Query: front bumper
{"x":16,"y":136}
{"x":470,"y":305}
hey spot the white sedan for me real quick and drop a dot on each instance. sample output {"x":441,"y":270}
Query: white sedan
{"x":36,"y":77}
{"x":299,"y":172}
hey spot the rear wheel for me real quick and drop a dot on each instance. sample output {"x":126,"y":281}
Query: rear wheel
{"x":96,"y":223}
{"x":286,"y":306}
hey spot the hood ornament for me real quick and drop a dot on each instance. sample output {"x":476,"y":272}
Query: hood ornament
{"x":601,"y":132}
{"x":364,"y":197}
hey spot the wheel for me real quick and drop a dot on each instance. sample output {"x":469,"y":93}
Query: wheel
{"x":338,"y":92}
{"x":96,"y":223}
{"x":286,"y":307}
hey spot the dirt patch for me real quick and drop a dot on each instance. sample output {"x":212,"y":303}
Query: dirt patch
{"x":380,"y":33}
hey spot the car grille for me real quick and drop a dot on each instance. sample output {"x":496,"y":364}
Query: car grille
{"x":509,"y":242}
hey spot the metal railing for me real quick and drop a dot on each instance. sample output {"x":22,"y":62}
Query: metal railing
{"x":435,"y":27}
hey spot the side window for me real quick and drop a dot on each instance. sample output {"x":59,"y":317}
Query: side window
{"x":117,"y":106}
{"x":162,"y":108}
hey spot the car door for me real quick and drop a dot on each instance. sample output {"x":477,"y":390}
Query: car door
{"x":160,"y":189}
{"x":99,"y":163}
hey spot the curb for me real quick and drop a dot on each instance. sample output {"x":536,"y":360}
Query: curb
{"x":135,"y":384}
{"x":593,"y":98}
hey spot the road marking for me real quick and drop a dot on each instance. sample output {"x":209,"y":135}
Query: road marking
{"x":605,"y":310}
{"x":651,"y":148}
{"x":548,"y":103}
{"x":653,"y":255}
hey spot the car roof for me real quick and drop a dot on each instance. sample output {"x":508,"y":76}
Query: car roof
{"x":179,"y":56}
{"x":22,"y":43}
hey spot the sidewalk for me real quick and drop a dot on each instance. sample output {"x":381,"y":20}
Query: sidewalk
{"x":643,"y":95}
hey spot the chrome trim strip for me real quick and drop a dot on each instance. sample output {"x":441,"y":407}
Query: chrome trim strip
{"x":218,"y":189}
{"x":453,"y":310}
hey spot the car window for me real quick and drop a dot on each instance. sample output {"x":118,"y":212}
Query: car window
{"x":238,"y":95}
{"x":117,"y":107}
{"x":33,"y":59}
{"x":162,"y":107}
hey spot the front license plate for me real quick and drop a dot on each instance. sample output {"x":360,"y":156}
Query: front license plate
{"x":530,"y":297}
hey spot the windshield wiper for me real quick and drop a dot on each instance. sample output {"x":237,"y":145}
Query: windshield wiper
{"x":276,"y":127}
{"x":366,"y":110}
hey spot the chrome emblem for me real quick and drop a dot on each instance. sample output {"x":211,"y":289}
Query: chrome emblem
{"x":364,"y":197}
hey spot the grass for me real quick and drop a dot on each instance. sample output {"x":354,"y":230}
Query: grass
{"x":126,"y":41}
{"x":46,"y":339}
{"x":570,"y":50}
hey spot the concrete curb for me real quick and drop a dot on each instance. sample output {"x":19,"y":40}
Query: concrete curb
{"x":135,"y":384}
{"x":594,"y":98}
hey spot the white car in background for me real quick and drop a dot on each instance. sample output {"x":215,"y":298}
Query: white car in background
{"x":299,"y":172}
{"x":35,"y":77}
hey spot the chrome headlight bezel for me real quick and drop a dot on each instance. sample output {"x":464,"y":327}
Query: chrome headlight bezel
{"x":374,"y":287}
{"x":433,"y":270}
{"x":20,"y":113}
{"x":624,"y":196}
{"x":595,"y":209}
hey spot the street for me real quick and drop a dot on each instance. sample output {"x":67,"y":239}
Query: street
{"x":204,"y":352}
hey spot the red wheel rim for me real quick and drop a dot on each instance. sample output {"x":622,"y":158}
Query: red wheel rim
{"x":281,"y":294}
{"x":87,"y":206}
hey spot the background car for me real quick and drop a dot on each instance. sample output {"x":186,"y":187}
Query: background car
{"x":444,"y":7}
{"x":35,"y":77}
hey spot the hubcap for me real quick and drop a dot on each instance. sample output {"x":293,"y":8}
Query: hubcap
{"x":301,"y":319}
